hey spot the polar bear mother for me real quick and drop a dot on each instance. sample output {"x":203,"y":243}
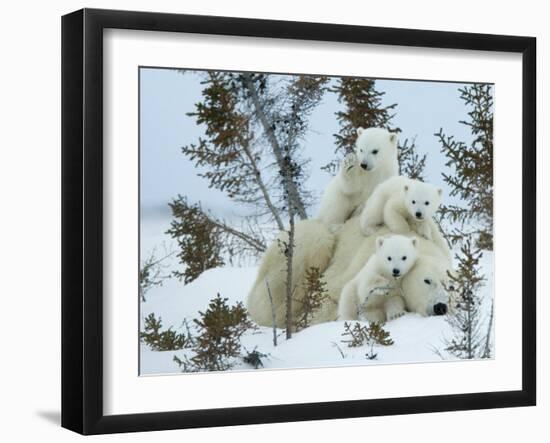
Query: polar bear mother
{"x":340,"y":256}
{"x":374,"y":161}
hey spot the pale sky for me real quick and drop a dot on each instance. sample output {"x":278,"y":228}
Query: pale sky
{"x":167,"y":95}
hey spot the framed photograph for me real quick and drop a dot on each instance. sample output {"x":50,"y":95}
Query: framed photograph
{"x":270,"y":221}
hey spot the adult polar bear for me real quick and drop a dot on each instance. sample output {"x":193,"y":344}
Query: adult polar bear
{"x":341,"y":256}
{"x":374,"y":161}
{"x":313,"y":247}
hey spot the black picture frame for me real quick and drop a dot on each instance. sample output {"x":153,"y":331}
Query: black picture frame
{"x":82,"y":218}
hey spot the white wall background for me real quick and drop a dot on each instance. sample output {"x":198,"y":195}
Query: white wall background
{"x":30,"y":222}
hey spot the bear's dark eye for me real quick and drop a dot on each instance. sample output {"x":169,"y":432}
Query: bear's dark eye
{"x":452,"y":288}
{"x":375,"y":151}
{"x":427,"y":281}
{"x":389,"y":258}
{"x":414,"y":202}
{"x":427,"y":203}
{"x":404,"y":258}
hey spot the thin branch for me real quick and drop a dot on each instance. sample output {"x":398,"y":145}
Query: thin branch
{"x":273,"y":319}
{"x":254,"y":243}
{"x":262,"y":186}
{"x":487,"y":347}
{"x":339,"y":349}
{"x":276,"y":147}
{"x":289,"y":291}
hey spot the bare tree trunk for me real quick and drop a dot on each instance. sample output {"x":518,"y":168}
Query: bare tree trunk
{"x":469,"y":329}
{"x":273,"y":319}
{"x":256,"y":244}
{"x":291,"y":190}
{"x":289,"y":256}
{"x":263,"y":188}
{"x":487,"y":348}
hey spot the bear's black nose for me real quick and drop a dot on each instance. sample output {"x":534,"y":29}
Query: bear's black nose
{"x":364,"y":166}
{"x":440,"y":309}
{"x":396,"y":271}
{"x":418,"y":215}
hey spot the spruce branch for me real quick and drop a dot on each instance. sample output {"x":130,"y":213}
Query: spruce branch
{"x":315,"y":295}
{"x":152,"y":272}
{"x":470,"y":175}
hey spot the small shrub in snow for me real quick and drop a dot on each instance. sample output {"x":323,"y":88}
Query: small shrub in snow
{"x":168,"y":340}
{"x":468,"y":340}
{"x":315,"y":294}
{"x":217,"y":344}
{"x":371,"y":335}
{"x":359,"y":335}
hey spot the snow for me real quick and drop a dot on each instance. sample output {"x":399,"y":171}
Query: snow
{"x":174,"y":301}
{"x":415,"y":337}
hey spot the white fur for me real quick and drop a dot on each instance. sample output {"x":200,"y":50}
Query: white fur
{"x":341,"y":256}
{"x":351,"y":253}
{"x":425,"y":285}
{"x":314,"y":244}
{"x":374,"y":160}
{"x":371,"y":290}
{"x":403,"y":205}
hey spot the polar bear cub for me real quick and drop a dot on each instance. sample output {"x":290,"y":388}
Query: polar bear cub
{"x":374,"y":160}
{"x":371,"y":293}
{"x":402,"y":204}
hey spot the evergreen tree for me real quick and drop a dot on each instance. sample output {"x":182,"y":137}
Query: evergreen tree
{"x":217,"y":343}
{"x":282,"y":111}
{"x":251,"y":151}
{"x":252,"y":122}
{"x":471,"y":168}
{"x":315,"y":294}
{"x":468,"y":340}
{"x":290,"y":124}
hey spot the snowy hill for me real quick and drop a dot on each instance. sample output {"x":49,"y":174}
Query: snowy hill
{"x":415,"y":338}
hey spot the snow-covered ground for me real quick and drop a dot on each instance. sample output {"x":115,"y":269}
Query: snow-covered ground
{"x":415,"y":338}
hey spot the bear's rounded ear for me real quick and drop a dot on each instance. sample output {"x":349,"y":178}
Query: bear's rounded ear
{"x":406,"y":188}
{"x":440,"y":191}
{"x":379,"y":242}
{"x":393,"y":137}
{"x":414,"y":241}
{"x":360,"y":130}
